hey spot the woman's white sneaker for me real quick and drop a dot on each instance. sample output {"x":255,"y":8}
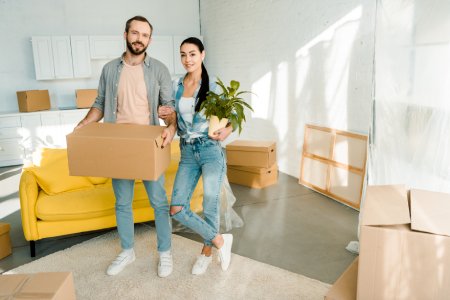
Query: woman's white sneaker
{"x":201,"y":265}
{"x":225,"y":251}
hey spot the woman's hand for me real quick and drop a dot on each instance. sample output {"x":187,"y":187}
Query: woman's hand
{"x":165,"y":111}
{"x":222,"y":133}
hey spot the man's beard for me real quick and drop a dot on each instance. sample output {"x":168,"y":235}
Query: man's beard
{"x":135,"y":52}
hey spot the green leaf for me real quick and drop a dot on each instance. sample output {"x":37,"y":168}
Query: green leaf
{"x":234,"y":85}
{"x":227,"y":104}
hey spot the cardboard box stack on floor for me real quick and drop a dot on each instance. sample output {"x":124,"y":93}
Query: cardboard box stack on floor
{"x":5,"y":240}
{"x":33,"y":100}
{"x":125,"y":151}
{"x":252,"y":163}
{"x":51,"y":286}
{"x":404,"y":245}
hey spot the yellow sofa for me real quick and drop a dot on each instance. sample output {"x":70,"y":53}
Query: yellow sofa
{"x":54,"y":203}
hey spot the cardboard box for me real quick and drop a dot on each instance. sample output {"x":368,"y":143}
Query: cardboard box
{"x":85,"y":98}
{"x":252,"y":176}
{"x":124,"y":151}
{"x":345,"y":287}
{"x":33,"y":100}
{"x":5,"y":240}
{"x":396,"y":262}
{"x":42,"y":286}
{"x":260,"y":154}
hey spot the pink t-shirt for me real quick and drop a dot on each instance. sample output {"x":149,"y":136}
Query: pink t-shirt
{"x":132,"y":104}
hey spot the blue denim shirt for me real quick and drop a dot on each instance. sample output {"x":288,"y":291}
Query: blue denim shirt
{"x":157,"y":80}
{"x":199,"y":126}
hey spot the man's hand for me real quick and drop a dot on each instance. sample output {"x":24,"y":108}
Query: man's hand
{"x":167,"y":134}
{"x":93,"y":115}
{"x":221,"y":134}
{"x":165,"y":112}
{"x":81,"y":124}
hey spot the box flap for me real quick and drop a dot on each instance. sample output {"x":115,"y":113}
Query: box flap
{"x":246,"y":145}
{"x":118,"y":131}
{"x":430,"y":212}
{"x":385,"y":205}
{"x":345,"y":287}
{"x":37,"y":286}
{"x":255,"y":170}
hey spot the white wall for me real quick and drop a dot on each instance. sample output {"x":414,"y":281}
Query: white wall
{"x":22,"y":19}
{"x":308,"y":62}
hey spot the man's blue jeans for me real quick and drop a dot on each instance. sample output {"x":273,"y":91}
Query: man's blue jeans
{"x":124,"y":192}
{"x":200,"y":156}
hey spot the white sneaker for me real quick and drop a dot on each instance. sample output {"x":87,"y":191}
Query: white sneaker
{"x":165,"y":264}
{"x":225,"y":251}
{"x":125,"y":258}
{"x":201,"y":264}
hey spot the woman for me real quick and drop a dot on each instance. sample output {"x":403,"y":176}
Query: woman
{"x":201,"y":155}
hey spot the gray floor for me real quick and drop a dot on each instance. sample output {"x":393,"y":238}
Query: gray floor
{"x":286,"y":225}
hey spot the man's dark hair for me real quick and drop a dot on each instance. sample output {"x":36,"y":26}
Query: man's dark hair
{"x":138,"y":18}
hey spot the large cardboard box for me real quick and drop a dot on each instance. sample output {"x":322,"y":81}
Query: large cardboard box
{"x":124,"y":151}
{"x":396,"y":262}
{"x":252,"y":176}
{"x":345,"y":287}
{"x":42,"y":286}
{"x":33,"y":100}
{"x":5,"y":240}
{"x":260,"y":154}
{"x":85,"y":97}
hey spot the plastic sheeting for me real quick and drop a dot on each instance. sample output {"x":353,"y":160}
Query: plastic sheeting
{"x":229,"y":219}
{"x":410,"y":134}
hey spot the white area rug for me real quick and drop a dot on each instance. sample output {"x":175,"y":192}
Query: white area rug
{"x":245,"y":279}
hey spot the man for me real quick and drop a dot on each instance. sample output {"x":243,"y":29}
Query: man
{"x":130,"y":90}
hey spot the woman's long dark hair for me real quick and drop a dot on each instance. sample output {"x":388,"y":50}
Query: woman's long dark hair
{"x":204,"y":88}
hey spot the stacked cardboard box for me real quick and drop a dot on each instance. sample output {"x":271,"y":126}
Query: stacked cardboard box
{"x":51,"y":285}
{"x":33,"y":100}
{"x":5,"y":240}
{"x":345,"y":287}
{"x":252,"y":163}
{"x":124,"y":151}
{"x":404,"y":245}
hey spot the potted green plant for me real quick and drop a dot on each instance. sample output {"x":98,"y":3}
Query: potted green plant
{"x":226,"y":107}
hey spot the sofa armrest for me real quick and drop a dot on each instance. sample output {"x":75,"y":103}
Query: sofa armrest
{"x":28,"y":193}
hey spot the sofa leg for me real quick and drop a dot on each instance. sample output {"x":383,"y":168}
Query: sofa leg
{"x":32,"y":248}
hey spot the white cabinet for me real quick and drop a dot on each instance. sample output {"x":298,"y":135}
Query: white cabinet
{"x":106,"y":46}
{"x":11,"y":151}
{"x":177,"y":40}
{"x":29,"y":133}
{"x":61,"y":57}
{"x":69,"y":119}
{"x":81,"y":56}
{"x":161,"y":48}
{"x":43,"y":57}
{"x":21,"y":134}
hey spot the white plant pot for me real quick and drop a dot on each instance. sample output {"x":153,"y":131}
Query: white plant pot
{"x":215,"y":124}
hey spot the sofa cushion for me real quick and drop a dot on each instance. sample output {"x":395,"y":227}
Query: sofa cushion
{"x":98,"y":180}
{"x":52,"y":174}
{"x":84,"y":204}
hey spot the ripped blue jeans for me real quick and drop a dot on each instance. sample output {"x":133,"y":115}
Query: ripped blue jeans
{"x":200,"y":157}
